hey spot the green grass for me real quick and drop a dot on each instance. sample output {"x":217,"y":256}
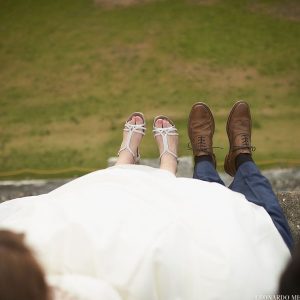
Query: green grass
{"x":71,"y":73}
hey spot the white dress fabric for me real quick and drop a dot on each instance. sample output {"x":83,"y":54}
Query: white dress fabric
{"x":138,"y":233}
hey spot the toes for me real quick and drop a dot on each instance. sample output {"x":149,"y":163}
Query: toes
{"x":166,"y":124}
{"x":159,"y":123}
{"x":162,"y":123}
{"x":138,"y":120}
{"x":132,"y":120}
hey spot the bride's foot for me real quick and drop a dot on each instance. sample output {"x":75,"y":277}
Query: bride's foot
{"x":165,"y":129}
{"x":134,"y":131}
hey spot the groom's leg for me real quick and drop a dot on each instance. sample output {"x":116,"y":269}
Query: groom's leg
{"x":249,"y":181}
{"x":247,"y":178}
{"x":205,"y":170}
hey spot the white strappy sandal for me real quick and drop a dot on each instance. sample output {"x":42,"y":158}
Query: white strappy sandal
{"x":164,"y":132}
{"x":131,"y":129}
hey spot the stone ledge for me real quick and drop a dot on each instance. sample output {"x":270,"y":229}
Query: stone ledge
{"x":290,"y":203}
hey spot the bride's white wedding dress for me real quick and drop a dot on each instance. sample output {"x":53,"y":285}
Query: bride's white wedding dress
{"x":139,"y":233}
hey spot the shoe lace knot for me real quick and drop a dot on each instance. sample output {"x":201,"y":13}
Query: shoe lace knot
{"x":245,"y":143}
{"x":245,"y":140}
{"x":200,"y":144}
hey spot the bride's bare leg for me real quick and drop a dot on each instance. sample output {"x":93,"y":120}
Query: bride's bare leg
{"x":125,"y":157}
{"x":168,"y":161}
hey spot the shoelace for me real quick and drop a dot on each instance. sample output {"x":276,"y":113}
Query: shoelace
{"x":201,"y":145}
{"x":245,"y":144}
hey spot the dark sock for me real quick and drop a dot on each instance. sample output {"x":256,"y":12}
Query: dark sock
{"x":242,"y":158}
{"x":203,"y":158}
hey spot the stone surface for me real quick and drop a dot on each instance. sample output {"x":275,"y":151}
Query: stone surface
{"x":290,"y":202}
{"x":16,"y":189}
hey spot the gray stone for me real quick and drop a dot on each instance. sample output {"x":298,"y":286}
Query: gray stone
{"x":290,"y":203}
{"x":16,"y":189}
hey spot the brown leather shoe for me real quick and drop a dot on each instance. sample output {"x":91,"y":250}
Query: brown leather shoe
{"x":239,"y":134}
{"x":201,"y":128}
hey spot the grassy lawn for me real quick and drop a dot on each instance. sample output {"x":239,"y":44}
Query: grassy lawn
{"x":71,"y":72}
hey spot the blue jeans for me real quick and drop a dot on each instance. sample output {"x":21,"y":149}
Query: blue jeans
{"x":255,"y":187}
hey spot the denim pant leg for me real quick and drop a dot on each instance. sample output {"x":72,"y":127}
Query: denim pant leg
{"x":257,"y":189}
{"x":204,"y":170}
